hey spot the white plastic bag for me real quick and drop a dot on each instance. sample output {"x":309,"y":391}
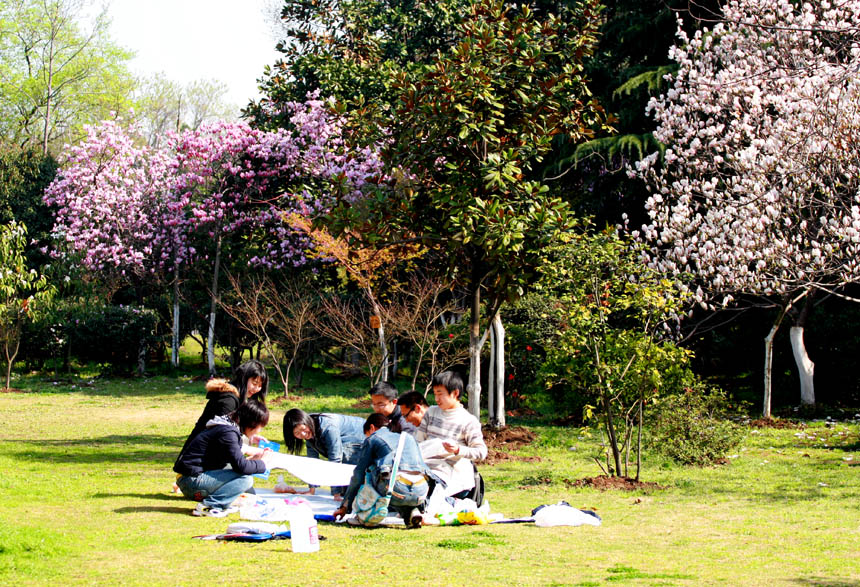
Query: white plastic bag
{"x":563,"y":515}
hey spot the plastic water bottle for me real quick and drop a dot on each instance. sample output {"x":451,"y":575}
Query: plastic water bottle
{"x":281,"y":486}
{"x":303,"y":529}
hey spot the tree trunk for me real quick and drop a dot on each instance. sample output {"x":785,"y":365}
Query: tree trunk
{"x":48,"y":96}
{"x":768,"y":360}
{"x":491,"y":376}
{"x":210,"y":342}
{"x":639,"y":437}
{"x":768,"y":370}
{"x":383,"y":367}
{"x":10,"y":358}
{"x":473,"y":388}
{"x":497,"y":412}
{"x":286,"y":380}
{"x":805,"y":367}
{"x":142,"y":344}
{"x":605,"y":397}
{"x":141,"y":357}
{"x":174,"y":343}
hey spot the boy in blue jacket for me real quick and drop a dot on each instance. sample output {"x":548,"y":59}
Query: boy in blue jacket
{"x":412,"y":481}
{"x":201,"y":463}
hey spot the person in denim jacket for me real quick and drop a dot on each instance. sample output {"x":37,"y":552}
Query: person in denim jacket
{"x":333,"y":436}
{"x":413,"y":479}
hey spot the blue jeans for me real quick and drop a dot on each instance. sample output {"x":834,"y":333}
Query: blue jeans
{"x":216,"y":489}
{"x":404,"y":497}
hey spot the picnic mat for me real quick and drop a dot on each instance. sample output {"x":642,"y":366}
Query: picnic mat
{"x":275,"y":507}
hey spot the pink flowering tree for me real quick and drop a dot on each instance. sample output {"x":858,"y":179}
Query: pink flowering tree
{"x":115,"y":208}
{"x":132,"y":212}
{"x":239,"y":181}
{"x":758,"y":193}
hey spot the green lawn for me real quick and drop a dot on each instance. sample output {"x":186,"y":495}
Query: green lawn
{"x":86,"y":477}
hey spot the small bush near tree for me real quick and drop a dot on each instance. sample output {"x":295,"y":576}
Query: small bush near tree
{"x":105,"y":334}
{"x":614,"y":347}
{"x":695,"y":427}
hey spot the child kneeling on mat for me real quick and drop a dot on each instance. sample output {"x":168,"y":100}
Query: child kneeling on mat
{"x":412,"y":481}
{"x":201,"y":463}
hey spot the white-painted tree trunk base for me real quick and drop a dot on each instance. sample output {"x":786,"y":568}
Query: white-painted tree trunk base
{"x":497,"y":413}
{"x":805,"y":367}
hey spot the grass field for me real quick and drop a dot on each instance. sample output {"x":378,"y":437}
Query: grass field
{"x":86,"y":477}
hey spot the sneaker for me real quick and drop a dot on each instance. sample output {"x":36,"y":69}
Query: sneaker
{"x":204,"y":510}
{"x":415,"y":518}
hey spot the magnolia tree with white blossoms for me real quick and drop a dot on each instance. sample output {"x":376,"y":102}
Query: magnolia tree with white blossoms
{"x":758,"y":191}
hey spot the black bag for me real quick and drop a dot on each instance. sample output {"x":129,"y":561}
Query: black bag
{"x":477,"y":492}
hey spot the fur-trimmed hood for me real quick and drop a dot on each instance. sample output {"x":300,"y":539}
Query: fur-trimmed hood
{"x":221,"y":386}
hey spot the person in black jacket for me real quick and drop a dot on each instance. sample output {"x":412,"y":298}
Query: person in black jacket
{"x":383,"y":400}
{"x":201,"y":463}
{"x":250,"y":380}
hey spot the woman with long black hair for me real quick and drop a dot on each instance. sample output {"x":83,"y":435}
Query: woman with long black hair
{"x":336,"y":437}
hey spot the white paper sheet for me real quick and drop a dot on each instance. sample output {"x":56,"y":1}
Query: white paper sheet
{"x":312,"y":471}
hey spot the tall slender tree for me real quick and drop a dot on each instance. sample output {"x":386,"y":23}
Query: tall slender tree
{"x":58,"y":71}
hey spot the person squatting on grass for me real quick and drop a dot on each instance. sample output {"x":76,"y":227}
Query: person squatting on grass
{"x":412,"y":482}
{"x":200,"y":465}
{"x":383,"y":399}
{"x":250,"y":380}
{"x":462,"y":441}
{"x":334,"y":436}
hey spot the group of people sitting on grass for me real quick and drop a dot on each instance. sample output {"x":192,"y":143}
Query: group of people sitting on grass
{"x":440,"y":445}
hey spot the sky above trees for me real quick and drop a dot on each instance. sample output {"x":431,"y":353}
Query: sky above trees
{"x":197,"y":39}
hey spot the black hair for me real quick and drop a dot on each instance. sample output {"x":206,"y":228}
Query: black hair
{"x":375,"y":420}
{"x":251,"y":415}
{"x":246,"y":371}
{"x":292,"y":419}
{"x":411,"y":399}
{"x":384,"y":389}
{"x":449,"y":380}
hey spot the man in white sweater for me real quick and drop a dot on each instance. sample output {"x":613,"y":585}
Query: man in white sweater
{"x":450,"y":436}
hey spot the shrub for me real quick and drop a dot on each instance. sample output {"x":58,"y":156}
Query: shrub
{"x":104,"y":334}
{"x":694,"y":427}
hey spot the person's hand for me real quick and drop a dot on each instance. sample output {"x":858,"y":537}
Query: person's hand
{"x":255,"y":440}
{"x":252,"y":452}
{"x":451,"y":447}
{"x":340,"y":512}
{"x":261,"y":455}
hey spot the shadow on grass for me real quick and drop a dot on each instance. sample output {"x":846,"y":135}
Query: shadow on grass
{"x":152,"y":508}
{"x":822,"y":581}
{"x":161,"y":496}
{"x":117,"y":449}
{"x":192,"y":383}
{"x":788,"y":495}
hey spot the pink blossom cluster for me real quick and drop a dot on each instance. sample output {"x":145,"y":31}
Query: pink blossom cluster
{"x":125,"y":207}
{"x":759,"y":188}
{"x":111,"y":200}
